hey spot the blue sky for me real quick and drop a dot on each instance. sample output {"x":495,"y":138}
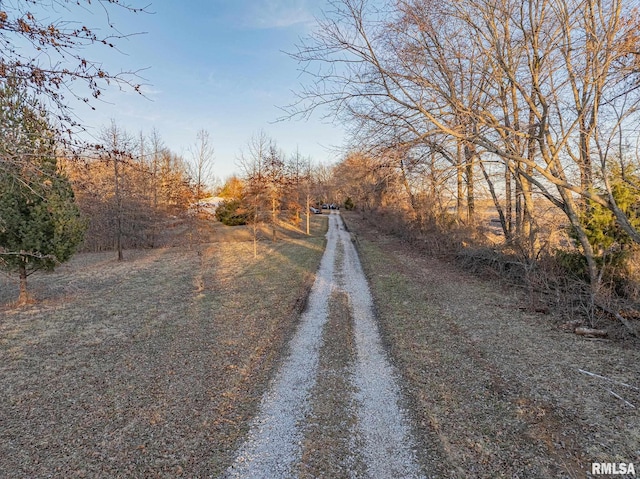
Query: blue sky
{"x":216,"y":65}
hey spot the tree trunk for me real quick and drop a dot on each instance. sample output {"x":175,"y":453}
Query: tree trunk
{"x":529,"y":233}
{"x":273,"y":219}
{"x":118,"y":196}
{"x":460,"y":182}
{"x":518,"y":201}
{"x":24,"y":297}
{"x":571,"y":210}
{"x":255,"y":231}
{"x":496,"y":203}
{"x":470,"y":156}
{"x":407,"y":187}
{"x":508,"y":198}
{"x":586,"y":174}
{"x":308,"y":216}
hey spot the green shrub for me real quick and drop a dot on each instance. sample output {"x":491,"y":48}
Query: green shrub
{"x":232,"y":213}
{"x":603,"y":230}
{"x":611,"y":244}
{"x":573,"y":263}
{"x":349,"y":204}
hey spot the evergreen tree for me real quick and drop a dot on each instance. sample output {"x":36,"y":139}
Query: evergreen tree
{"x":40,"y":223}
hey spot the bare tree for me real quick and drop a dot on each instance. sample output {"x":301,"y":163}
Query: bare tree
{"x":153,"y":161}
{"x":253,"y":162}
{"x":202,"y":156}
{"x":270,"y":182}
{"x":117,"y":148}
{"x":43,"y":45}
{"x":201,"y":172}
{"x":300,"y":175}
{"x":531,"y":84}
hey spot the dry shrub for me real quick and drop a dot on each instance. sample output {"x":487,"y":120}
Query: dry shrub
{"x":392,"y":221}
{"x":629,"y":284}
{"x":437,"y":233}
{"x":553,"y":276}
{"x":487,"y":261}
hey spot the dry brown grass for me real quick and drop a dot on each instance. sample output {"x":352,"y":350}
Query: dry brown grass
{"x":331,"y":424}
{"x":496,"y":391}
{"x":151,"y":367}
{"x":181,"y":231}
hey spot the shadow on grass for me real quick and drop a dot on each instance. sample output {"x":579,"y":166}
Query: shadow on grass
{"x":130,"y":368}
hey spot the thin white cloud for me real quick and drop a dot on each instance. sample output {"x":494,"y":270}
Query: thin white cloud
{"x":148,"y":90}
{"x":279,"y":14}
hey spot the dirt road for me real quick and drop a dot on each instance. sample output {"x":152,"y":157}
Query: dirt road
{"x":336,"y":392}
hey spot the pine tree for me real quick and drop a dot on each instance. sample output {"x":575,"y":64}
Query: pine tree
{"x":40,"y":223}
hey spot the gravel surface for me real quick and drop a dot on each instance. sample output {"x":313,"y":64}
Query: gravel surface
{"x":273,"y":443}
{"x":388,"y":448}
{"x":273,"y":448}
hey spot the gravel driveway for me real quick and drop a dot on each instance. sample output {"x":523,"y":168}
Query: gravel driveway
{"x":380,"y":442}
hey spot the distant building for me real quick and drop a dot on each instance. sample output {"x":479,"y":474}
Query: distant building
{"x":209,"y":205}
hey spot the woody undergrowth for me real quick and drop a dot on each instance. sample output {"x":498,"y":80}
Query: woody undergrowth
{"x":554,"y":278}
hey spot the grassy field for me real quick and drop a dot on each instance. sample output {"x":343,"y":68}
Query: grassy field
{"x":150,"y":367}
{"x":497,"y":391}
{"x":154,"y":366}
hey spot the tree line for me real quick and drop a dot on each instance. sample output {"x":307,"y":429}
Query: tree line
{"x":273,"y":188}
{"x":59,"y":194}
{"x":127,"y":190}
{"x":113,"y":195}
{"x":533,"y":102}
{"x":129,"y":185}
